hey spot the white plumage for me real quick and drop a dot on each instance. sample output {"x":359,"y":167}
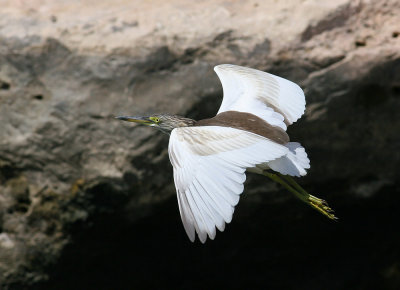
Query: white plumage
{"x":260,"y":93}
{"x":210,"y":161}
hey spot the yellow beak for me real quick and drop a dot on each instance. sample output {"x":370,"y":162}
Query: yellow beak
{"x":140,"y":120}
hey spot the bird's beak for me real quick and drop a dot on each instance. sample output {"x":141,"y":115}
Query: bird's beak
{"x":140,"y":120}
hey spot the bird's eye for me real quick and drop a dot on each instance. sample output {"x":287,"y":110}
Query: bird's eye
{"x":155,"y":119}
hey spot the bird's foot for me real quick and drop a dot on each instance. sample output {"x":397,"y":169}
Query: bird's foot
{"x":321,"y":206}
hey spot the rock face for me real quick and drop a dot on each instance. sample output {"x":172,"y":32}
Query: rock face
{"x":86,"y":200}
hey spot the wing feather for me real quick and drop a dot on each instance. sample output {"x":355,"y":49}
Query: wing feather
{"x":186,"y":215}
{"x":274,"y":99}
{"x":222,"y":203}
{"x":209,"y":172}
{"x":208,"y":201}
{"x":199,"y":223}
{"x":203,"y":212}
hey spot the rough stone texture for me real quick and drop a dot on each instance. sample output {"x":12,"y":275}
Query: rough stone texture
{"x":80,"y":191}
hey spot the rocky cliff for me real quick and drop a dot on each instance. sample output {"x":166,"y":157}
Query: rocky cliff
{"x":86,"y":200}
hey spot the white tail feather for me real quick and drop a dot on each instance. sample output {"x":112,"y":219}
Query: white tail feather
{"x":294,"y":163}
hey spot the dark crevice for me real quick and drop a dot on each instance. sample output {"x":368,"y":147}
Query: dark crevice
{"x":396,"y":90}
{"x":38,"y":97}
{"x":360,"y":43}
{"x":4,"y":85}
{"x":372,"y":95}
{"x":7,"y":172}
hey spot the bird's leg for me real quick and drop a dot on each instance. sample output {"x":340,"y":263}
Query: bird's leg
{"x":290,"y":184}
{"x":317,"y":203}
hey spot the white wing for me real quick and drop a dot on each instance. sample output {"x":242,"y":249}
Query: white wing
{"x":276,"y":100}
{"x":209,"y":171}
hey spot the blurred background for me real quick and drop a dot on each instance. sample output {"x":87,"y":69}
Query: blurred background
{"x":88,"y":202}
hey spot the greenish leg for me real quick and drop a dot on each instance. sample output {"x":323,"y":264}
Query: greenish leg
{"x":290,"y":184}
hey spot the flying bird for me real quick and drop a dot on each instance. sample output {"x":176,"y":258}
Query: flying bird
{"x":210,"y":157}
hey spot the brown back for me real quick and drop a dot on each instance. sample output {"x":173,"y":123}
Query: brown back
{"x":247,"y":122}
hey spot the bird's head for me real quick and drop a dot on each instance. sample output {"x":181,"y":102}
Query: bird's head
{"x":163,"y":122}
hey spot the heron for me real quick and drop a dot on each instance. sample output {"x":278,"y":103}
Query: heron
{"x":210,"y":157}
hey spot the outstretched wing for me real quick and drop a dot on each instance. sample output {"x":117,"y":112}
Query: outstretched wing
{"x":209,"y":171}
{"x":276,"y":100}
